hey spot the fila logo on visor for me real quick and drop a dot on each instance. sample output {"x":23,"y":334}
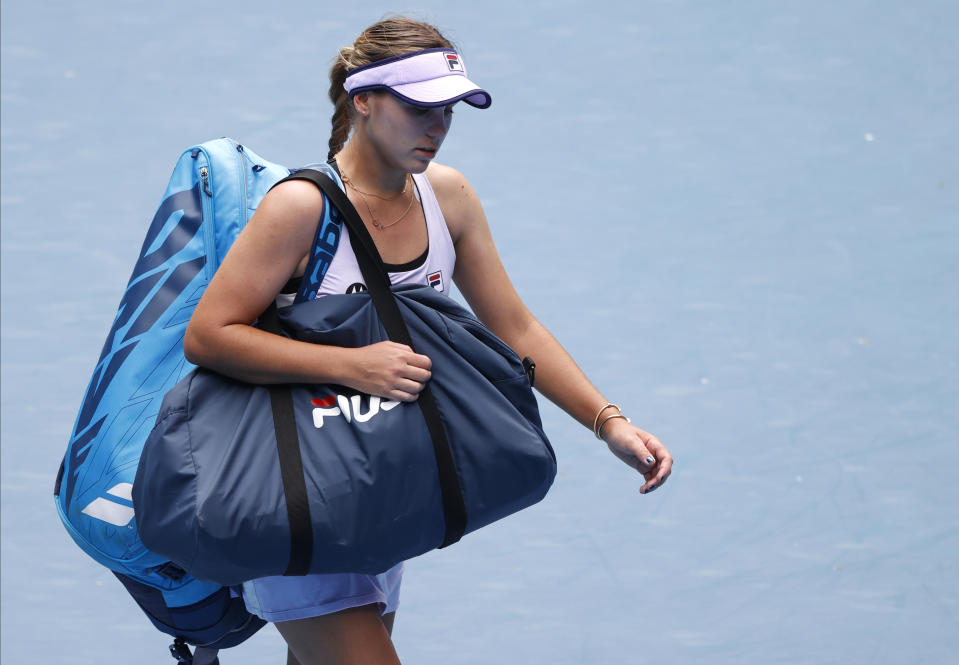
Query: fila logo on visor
{"x":453,"y":61}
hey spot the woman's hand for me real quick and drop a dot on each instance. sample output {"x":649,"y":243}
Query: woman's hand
{"x":639,"y":449}
{"x":389,"y":369}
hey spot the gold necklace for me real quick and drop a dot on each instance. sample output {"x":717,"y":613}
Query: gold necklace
{"x":406,"y":184}
{"x":363,"y":196}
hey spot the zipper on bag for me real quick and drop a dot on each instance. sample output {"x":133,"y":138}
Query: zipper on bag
{"x":206,"y":205}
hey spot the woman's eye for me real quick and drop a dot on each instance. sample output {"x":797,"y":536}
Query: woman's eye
{"x":449,"y":110}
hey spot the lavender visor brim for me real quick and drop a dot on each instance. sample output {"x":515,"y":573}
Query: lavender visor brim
{"x":434,"y":77}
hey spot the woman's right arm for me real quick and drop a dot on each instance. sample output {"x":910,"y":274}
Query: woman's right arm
{"x":264,"y":256}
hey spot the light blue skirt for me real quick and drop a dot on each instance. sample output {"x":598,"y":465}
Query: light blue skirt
{"x":287,"y":598}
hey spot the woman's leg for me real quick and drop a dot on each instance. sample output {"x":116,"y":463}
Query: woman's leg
{"x":355,"y":636}
{"x":388,"y":622}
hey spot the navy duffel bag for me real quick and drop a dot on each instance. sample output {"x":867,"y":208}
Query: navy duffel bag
{"x":239,"y":481}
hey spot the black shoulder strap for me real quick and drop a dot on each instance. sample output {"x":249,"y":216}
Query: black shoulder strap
{"x":378,"y":282}
{"x":291,"y":465}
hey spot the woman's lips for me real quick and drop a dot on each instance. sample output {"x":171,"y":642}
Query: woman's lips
{"x":429,"y":152}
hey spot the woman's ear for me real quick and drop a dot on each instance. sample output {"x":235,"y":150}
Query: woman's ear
{"x":361,"y":104}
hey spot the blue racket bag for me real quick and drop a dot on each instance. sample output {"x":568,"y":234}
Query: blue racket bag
{"x":211,"y":195}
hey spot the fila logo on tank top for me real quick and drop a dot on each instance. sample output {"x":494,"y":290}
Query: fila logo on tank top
{"x":434,"y":269}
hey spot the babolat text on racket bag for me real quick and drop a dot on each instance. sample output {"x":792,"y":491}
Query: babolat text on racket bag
{"x":211,"y":195}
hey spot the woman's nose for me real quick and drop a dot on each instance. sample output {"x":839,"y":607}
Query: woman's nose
{"x":439,"y":123}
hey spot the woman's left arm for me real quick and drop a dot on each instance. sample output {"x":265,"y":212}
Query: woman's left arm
{"x":482,"y":279}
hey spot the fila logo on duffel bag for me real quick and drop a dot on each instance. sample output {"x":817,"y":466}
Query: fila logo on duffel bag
{"x":349,"y":407}
{"x":117,"y":513}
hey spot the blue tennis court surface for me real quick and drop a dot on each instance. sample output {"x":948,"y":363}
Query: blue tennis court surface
{"x":740,"y":218}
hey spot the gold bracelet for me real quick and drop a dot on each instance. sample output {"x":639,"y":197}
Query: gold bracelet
{"x":599,"y":413}
{"x":599,"y":429}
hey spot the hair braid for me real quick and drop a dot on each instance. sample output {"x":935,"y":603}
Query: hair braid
{"x":340,"y":120}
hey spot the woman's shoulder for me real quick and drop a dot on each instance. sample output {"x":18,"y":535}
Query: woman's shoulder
{"x":455,"y":195}
{"x":444,"y":177}
{"x":290,"y":204}
{"x":290,"y":210}
{"x":295,"y":195}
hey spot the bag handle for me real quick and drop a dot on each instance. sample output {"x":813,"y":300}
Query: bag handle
{"x":378,"y":282}
{"x":291,"y":464}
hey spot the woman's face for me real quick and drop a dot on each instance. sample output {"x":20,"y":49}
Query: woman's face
{"x":406,"y":136}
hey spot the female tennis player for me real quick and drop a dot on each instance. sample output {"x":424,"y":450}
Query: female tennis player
{"x":394,"y":92}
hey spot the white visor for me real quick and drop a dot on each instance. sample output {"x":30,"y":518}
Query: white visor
{"x":434,"y":77}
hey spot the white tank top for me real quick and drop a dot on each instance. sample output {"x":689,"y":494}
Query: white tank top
{"x":436,"y":270}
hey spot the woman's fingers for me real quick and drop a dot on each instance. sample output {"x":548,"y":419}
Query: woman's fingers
{"x":415,"y":367}
{"x":417,"y":374}
{"x":641,"y":450}
{"x":661,"y":466}
{"x":396,"y":372}
{"x":392,"y":370}
{"x":414,"y":376}
{"x":418,"y":360}
{"x":409,"y":387}
{"x":402,"y":396}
